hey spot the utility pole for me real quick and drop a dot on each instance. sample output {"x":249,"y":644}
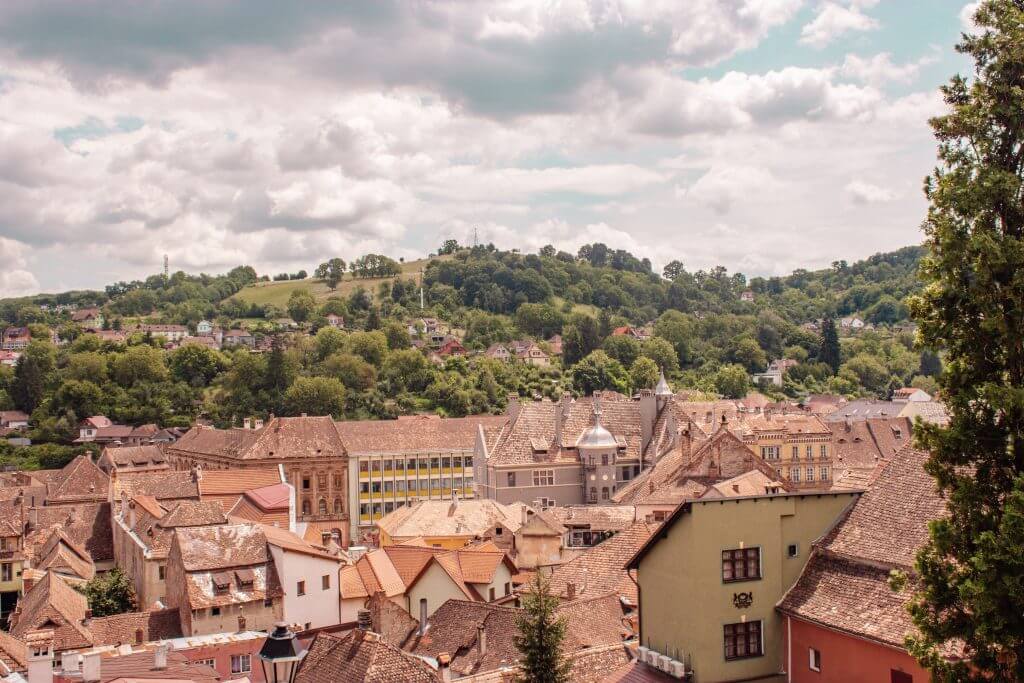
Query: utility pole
{"x":422,"y":300}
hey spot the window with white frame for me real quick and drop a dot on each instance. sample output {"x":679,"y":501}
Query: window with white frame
{"x":824,"y":473}
{"x":814,"y":659}
{"x":810,"y":473}
{"x":241,"y":664}
{"x":543,"y":477}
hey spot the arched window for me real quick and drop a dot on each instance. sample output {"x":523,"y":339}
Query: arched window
{"x":337,"y":506}
{"x":305,"y":507}
{"x":604,"y":458}
{"x":321,"y":507}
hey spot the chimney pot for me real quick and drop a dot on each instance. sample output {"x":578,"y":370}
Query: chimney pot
{"x":160,"y":656}
{"x":363,"y":620}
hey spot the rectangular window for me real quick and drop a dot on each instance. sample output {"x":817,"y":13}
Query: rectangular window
{"x":810,"y":451}
{"x":364,"y":487}
{"x":810,"y":473}
{"x":207,"y":662}
{"x":337,"y":481}
{"x":793,"y":550}
{"x":743,"y":640}
{"x":490,"y":594}
{"x":457,"y":461}
{"x":241,"y":664}
{"x":814,"y":659}
{"x":508,"y":588}
{"x":795,"y":474}
{"x":6,"y":573}
{"x":446,"y":462}
{"x":321,"y":481}
{"x":305,"y":483}
{"x":796,"y":452}
{"x":543,"y":477}
{"x":161,"y":571}
{"x":824,"y":452}
{"x":388,"y":465}
{"x":375,"y":465}
{"x":511,"y":479}
{"x":741,"y":564}
{"x":300,"y":588}
{"x":435,"y":463}
{"x":325,"y":582}
{"x":824,"y":473}
{"x":215,"y":611}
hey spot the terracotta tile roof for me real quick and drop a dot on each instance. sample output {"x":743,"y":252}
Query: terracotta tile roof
{"x":286,"y":540}
{"x":86,"y":524}
{"x":157,"y":532}
{"x":52,"y":604}
{"x":361,"y":656}
{"x":119,"y":629}
{"x":597,"y":517}
{"x":929,"y":411}
{"x":790,"y":423}
{"x":135,"y":456}
{"x":409,"y":561}
{"x":752,"y":483}
{"x":237,"y":481}
{"x":415,"y":434}
{"x":535,"y":425}
{"x":845,"y":583}
{"x":466,"y":518}
{"x":850,"y":596}
{"x":479,"y":566}
{"x":12,"y":516}
{"x":272,"y":497}
{"x":162,"y":485}
{"x":637,"y":672}
{"x":79,"y":480}
{"x":60,"y":554}
{"x":192,"y":513}
{"x":150,"y":505}
{"x":279,"y":438}
{"x":890,"y":521}
{"x":599,"y":570}
{"x":453,"y":628}
{"x":13,"y":653}
{"x":221,"y":547}
{"x":138,"y":668}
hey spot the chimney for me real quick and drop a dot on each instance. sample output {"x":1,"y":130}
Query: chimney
{"x":363,"y":621}
{"x":40,"y":664}
{"x":454,"y":505}
{"x":561,"y":414}
{"x":685,"y":445}
{"x":160,"y":656}
{"x":241,"y":623}
{"x":247,"y":423}
{"x":69,"y":662}
{"x":91,"y":667}
{"x":481,"y":638}
{"x":33,"y":518}
{"x":570,"y":591}
{"x":303,"y":415}
{"x":444,"y":663}
{"x":648,"y":415}
{"x":512,"y":408}
{"x":525,"y":514}
{"x":88,"y":617}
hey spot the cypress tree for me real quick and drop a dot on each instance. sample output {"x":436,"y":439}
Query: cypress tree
{"x":540,"y":635}
{"x":970,"y":575}
{"x":830,"y":352}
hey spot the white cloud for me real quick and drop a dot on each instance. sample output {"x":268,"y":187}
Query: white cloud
{"x":834,"y":19}
{"x":863,"y":192}
{"x":967,"y":16}
{"x":15,"y":279}
{"x":879,"y":69}
{"x":722,"y":186}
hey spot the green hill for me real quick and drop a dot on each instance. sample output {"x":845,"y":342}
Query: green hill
{"x":277,"y":293}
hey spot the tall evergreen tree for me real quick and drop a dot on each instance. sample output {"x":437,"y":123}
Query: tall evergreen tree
{"x":970,"y":588}
{"x":830,"y":352}
{"x":31,"y":375}
{"x":540,"y":635}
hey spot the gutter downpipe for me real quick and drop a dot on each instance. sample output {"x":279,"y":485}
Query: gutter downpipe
{"x":789,"y":649}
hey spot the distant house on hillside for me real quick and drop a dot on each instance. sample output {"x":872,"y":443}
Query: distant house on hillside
{"x":90,"y":317}
{"x":239,"y":338}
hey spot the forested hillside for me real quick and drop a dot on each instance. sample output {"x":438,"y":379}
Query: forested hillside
{"x":708,"y":330}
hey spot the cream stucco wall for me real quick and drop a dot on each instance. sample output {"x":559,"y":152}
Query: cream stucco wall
{"x":684,"y":603}
{"x":319,"y":606}
{"x":436,"y":587}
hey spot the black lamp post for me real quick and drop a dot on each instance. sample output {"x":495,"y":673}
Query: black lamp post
{"x":280,"y":655}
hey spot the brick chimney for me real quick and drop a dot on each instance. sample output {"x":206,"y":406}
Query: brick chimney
{"x":363,"y":621}
{"x":685,"y":445}
{"x":481,"y":638}
{"x":562,"y":411}
{"x":648,"y":416}
{"x":570,"y":591}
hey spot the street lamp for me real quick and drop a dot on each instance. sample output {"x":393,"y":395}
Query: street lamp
{"x":280,"y":655}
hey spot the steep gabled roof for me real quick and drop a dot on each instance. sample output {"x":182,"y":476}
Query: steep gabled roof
{"x":281,"y":437}
{"x":600,"y":569}
{"x":80,"y":479}
{"x":54,"y":605}
{"x":360,"y":656}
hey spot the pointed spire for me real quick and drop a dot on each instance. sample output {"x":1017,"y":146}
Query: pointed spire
{"x":662,"y":389}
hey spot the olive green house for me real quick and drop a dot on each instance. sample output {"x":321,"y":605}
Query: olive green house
{"x":709,"y":579}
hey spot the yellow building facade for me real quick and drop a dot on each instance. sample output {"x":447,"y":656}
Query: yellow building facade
{"x":710,"y":577}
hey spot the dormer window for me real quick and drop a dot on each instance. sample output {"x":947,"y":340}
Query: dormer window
{"x":221,"y":582}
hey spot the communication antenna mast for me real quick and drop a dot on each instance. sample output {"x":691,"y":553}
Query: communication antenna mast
{"x":422,"y":300}
{"x":476,"y":237}
{"x":166,"y":267}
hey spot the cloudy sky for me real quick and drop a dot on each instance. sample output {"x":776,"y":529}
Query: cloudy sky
{"x":763,"y":135}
